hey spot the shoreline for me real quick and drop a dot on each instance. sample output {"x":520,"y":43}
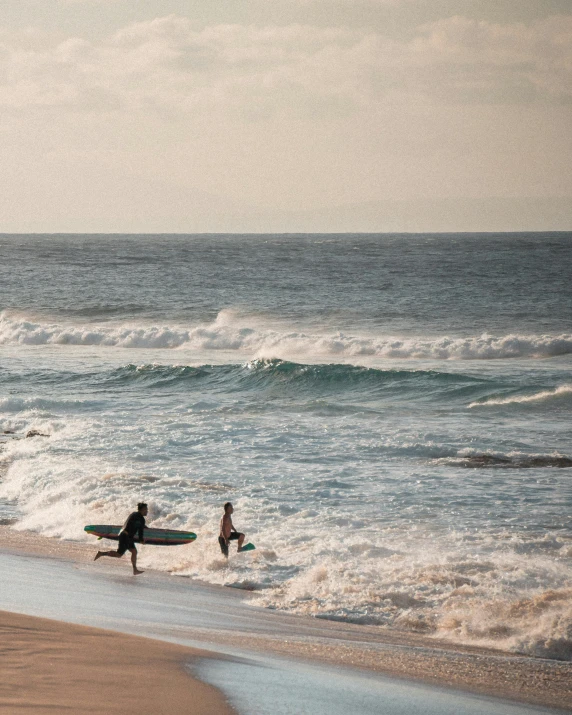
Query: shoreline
{"x":50,"y":665}
{"x":407,"y":657}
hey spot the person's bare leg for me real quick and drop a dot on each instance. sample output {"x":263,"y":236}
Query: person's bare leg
{"x":240,"y":542}
{"x":113,"y":554}
{"x":136,"y":571}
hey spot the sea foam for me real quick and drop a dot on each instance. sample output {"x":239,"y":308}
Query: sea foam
{"x":541,"y":396}
{"x":257,"y":340}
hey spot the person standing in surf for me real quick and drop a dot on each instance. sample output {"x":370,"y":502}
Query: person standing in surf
{"x":227,"y":531}
{"x":134,"y":525}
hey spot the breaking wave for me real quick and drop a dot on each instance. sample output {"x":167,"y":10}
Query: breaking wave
{"x":226,"y":333}
{"x":543,"y":396}
{"x":311,"y":381}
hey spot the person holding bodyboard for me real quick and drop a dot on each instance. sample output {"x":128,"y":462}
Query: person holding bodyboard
{"x":135,"y":524}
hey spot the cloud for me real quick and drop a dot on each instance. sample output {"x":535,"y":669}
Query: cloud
{"x":514,"y":61}
{"x":167,"y":65}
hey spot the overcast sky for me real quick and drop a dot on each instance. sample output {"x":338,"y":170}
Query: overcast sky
{"x":285,"y":115}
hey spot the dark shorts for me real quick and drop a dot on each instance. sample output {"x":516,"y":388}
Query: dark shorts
{"x":235,"y":535}
{"x":126,"y":542}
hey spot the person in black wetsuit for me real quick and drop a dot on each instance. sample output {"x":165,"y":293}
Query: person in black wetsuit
{"x":134,"y":525}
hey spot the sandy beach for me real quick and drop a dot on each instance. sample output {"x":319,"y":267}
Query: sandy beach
{"x":50,"y":666}
{"x":217,"y":620}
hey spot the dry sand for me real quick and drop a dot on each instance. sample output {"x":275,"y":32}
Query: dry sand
{"x":48,"y":666}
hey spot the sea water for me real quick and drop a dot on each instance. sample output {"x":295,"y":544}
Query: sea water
{"x":389,"y":414}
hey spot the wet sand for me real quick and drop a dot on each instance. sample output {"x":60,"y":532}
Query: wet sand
{"x":50,"y":666}
{"x":217,"y":619}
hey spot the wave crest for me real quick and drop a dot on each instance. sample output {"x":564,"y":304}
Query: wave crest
{"x":543,"y":396}
{"x":314,"y":378}
{"x":230,"y":335}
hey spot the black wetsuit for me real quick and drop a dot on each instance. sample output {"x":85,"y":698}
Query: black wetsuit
{"x":135,"y":524}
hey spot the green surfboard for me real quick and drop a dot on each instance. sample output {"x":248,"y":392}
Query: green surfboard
{"x":157,"y":537}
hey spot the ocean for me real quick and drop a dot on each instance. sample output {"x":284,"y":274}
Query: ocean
{"x":389,"y":414}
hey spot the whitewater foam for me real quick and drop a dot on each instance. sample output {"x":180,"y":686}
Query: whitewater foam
{"x":542,"y":396}
{"x":227,"y":333}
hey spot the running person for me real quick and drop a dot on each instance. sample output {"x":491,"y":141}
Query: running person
{"x":134,"y":525}
{"x":227,"y":531}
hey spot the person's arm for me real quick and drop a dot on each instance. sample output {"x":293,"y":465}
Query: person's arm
{"x":141,"y":527}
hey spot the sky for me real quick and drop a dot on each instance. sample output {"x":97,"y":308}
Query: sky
{"x":285,"y":115}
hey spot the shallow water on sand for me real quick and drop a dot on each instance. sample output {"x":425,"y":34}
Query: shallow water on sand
{"x":287,"y":688}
